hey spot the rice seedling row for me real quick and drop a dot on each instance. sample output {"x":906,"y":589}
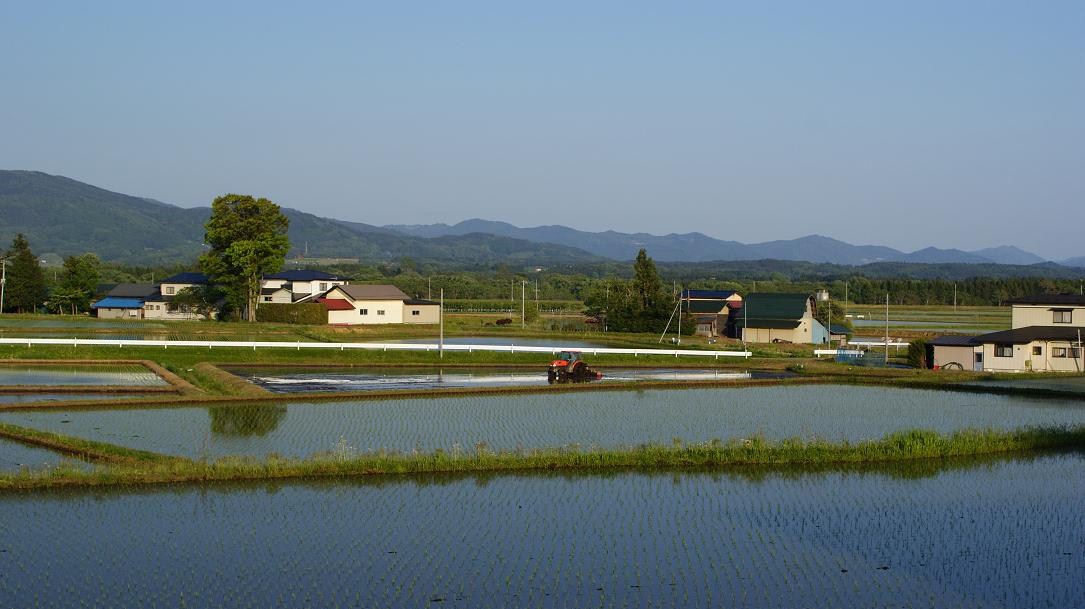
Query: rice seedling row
{"x":465,"y":425}
{"x":57,"y":375}
{"x":1000,"y":534}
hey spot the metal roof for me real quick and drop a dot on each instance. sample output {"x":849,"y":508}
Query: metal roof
{"x":1050,"y":299}
{"x":336,"y":304}
{"x":193,"y":278}
{"x":1020,"y":336}
{"x":113,"y":302}
{"x":953,"y":341}
{"x":705,"y":306}
{"x":133,"y":290}
{"x":778,"y":311}
{"x":304,"y":275}
{"x":708,"y":294}
{"x":372,"y":292}
{"x":421,"y":301}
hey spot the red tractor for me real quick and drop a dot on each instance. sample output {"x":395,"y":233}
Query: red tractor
{"x":570,"y":367}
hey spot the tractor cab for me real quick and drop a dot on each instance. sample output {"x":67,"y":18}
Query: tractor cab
{"x":570,"y":366}
{"x":567,"y":357}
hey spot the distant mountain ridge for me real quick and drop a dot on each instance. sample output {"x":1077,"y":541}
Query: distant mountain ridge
{"x":697,"y":247}
{"x":64,"y":216}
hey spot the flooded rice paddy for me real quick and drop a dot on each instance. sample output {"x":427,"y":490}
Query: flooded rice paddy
{"x":1008,"y":533}
{"x":297,"y":380}
{"x":607,"y":419}
{"x":26,"y":398}
{"x":15,"y":456}
{"x":56,"y":375}
{"x":1068,"y":383}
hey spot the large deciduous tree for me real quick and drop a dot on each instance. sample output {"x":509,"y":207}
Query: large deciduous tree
{"x":25,"y":286}
{"x":247,"y":238}
{"x":77,"y":284}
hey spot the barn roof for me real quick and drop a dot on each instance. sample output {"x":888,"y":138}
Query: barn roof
{"x":778,"y":311}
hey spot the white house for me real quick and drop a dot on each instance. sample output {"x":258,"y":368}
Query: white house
{"x":1045,"y":336}
{"x":158,"y":305}
{"x":376,"y":304}
{"x":125,"y":301}
{"x":292,"y":286}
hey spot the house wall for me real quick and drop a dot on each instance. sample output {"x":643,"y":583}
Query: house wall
{"x":272,"y":283}
{"x":316,"y":286}
{"x":119,"y":313}
{"x":1024,"y":360}
{"x":393,"y":313}
{"x":427,"y":314}
{"x":809,"y":331}
{"x":959,"y":354}
{"x":171,"y":289}
{"x":279,"y":297}
{"x":767,"y":335}
{"x":1023,"y":316}
{"x":161,"y":310}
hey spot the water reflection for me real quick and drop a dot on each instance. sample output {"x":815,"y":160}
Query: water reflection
{"x":1005,"y":534}
{"x":246,"y":420}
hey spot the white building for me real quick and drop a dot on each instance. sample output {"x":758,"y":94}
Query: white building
{"x":160,"y":304}
{"x":291,"y":286}
{"x":376,"y":304}
{"x":1045,"y":336}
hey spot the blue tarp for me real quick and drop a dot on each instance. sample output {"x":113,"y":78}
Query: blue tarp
{"x":113,"y":302}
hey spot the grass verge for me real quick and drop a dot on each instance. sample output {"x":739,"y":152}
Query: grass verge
{"x":757,"y":451}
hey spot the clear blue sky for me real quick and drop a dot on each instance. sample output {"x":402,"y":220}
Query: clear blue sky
{"x":953,"y":124}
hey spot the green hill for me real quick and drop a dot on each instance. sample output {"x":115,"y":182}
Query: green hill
{"x":63,"y":216}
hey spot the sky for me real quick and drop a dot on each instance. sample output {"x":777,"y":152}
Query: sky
{"x":907,"y":124}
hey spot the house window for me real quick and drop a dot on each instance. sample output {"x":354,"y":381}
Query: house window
{"x":169,"y":290}
{"x":267,"y":298}
{"x":380,"y":311}
{"x":415,"y":312}
{"x":1059,"y":352}
{"x":363,"y":311}
{"x":324,"y":287}
{"x":1037,"y":350}
{"x":1003,"y":350}
{"x":1062,"y":316}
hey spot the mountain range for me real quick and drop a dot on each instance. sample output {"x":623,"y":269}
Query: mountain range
{"x":64,"y":216}
{"x":697,"y":247}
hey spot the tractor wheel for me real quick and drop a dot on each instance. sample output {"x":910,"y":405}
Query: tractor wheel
{"x":551,"y":377}
{"x":576,"y":371}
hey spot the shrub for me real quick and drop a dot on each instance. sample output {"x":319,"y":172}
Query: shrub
{"x":308,"y":313}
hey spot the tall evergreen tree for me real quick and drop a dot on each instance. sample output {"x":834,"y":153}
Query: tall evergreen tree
{"x":25,"y":286}
{"x":248,"y":239}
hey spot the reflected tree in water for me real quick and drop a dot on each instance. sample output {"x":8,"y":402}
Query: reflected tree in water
{"x":249,"y":420}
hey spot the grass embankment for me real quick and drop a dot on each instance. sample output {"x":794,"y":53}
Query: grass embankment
{"x":900,"y":446}
{"x":87,"y":450}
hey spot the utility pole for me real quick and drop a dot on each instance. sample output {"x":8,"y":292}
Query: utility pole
{"x":678,"y":328}
{"x":429,"y":288}
{"x":441,"y":337}
{"x":3,"y":282}
{"x":744,"y":307}
{"x":523,"y":305}
{"x":845,"y":300}
{"x":887,"y":328}
{"x":954,"y":297}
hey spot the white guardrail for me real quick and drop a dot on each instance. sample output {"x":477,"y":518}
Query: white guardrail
{"x":210,"y":344}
